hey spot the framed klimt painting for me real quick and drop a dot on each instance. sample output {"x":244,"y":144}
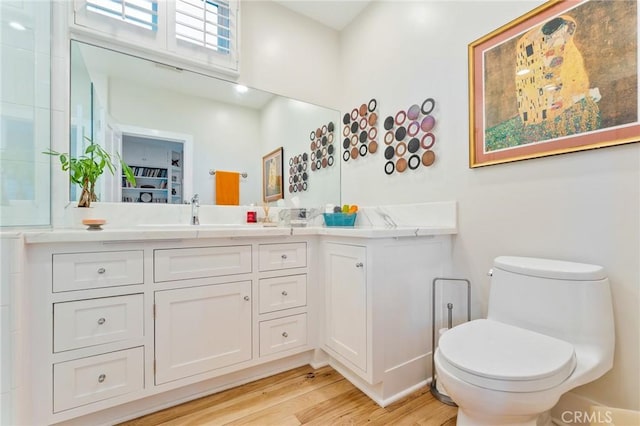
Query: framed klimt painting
{"x":272,"y":176}
{"x":562,"y":78}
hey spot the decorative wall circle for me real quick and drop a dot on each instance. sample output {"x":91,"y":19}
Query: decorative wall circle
{"x":389,"y":167}
{"x":363,"y":123}
{"x":330,"y":137}
{"x":373,"y":147}
{"x":354,"y":140}
{"x":401,"y":133}
{"x":413,"y":112}
{"x":324,"y":129}
{"x":345,"y":130}
{"x":330,"y":161}
{"x":388,"y":123}
{"x":318,"y":132}
{"x":373,"y":133}
{"x":427,"y":123}
{"x":363,"y":110}
{"x":330,"y":127}
{"x":389,"y":152}
{"x":363,"y":136}
{"x":373,"y":104}
{"x":354,"y":153}
{"x":346,"y":143}
{"x":345,"y":155}
{"x":413,"y":128}
{"x":401,"y":116}
{"x":373,"y":119}
{"x":346,"y":118}
{"x":330,"y":149}
{"x":388,"y":137}
{"x":354,"y":127}
{"x":428,"y":158}
{"x":427,"y":140}
{"x":413,"y":145}
{"x":354,"y":113}
{"x":427,"y":106}
{"x":401,"y":165}
{"x":305,"y":157}
{"x":414,"y":161}
{"x":291,"y":161}
{"x":363,"y":150}
{"x":401,"y":149}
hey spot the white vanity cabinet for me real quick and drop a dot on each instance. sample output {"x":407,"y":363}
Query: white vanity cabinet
{"x":199,"y":329}
{"x":345,"y":289}
{"x":282,"y":298}
{"x":377,"y":311}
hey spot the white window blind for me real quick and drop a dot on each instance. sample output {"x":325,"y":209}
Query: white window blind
{"x":203,"y":32}
{"x":205,"y":23}
{"x":141,"y":13}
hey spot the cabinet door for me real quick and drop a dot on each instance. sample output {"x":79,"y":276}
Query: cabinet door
{"x":346,"y":302}
{"x":199,"y":329}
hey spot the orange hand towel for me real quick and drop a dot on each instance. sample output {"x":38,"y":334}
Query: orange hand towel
{"x":227,"y":188}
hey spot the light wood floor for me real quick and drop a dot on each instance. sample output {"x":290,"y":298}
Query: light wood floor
{"x":302,"y":396}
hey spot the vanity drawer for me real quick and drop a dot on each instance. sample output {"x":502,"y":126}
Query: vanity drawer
{"x":86,"y":380}
{"x":282,"y":334}
{"x":83,"y":323}
{"x":283,"y":256}
{"x":202,"y":262}
{"x":79,"y":271}
{"x":280,"y":293}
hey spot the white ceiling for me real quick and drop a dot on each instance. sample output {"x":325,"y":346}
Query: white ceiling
{"x":332,"y":13}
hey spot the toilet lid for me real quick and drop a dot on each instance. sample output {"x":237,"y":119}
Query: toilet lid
{"x":502,"y":357}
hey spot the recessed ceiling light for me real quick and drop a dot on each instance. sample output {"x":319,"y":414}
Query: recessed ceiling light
{"x":17,"y":26}
{"x":241,"y":89}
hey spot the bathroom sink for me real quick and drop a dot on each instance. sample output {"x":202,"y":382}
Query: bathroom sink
{"x":198,"y":227}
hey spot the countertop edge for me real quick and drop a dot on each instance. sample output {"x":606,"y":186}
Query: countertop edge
{"x":64,"y":235}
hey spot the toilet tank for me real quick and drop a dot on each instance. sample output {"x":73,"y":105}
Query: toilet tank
{"x":566,"y":300}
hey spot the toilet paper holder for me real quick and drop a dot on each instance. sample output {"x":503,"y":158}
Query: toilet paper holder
{"x":440,"y":396}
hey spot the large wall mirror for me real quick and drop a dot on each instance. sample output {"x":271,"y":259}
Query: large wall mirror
{"x":175,"y":127}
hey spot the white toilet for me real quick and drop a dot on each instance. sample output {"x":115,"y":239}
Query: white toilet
{"x":549,"y":329}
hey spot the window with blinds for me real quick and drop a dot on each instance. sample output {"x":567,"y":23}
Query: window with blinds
{"x":198,"y":31}
{"x":141,"y":13}
{"x":204,"y":23}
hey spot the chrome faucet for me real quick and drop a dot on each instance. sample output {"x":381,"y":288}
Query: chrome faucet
{"x":195,"y":205}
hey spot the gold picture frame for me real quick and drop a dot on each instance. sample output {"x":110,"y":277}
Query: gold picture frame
{"x":561,"y":78}
{"x":272,"y":172}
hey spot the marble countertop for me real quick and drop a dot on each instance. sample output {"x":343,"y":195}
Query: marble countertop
{"x":179,"y":232}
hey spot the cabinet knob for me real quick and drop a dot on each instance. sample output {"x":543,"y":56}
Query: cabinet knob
{"x":102,"y":378}
{"x":285,"y":334}
{"x":359,"y":265}
{"x":247,"y":298}
{"x":284,"y":257}
{"x":490,"y":273}
{"x":101,"y":321}
{"x":101,"y":270}
{"x":284,"y":292}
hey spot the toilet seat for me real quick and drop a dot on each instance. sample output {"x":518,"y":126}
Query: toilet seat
{"x":501,"y":357}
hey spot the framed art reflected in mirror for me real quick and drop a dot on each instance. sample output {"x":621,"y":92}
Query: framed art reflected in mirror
{"x":272,"y":176}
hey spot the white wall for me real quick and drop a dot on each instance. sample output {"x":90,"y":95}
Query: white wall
{"x":581,"y":206}
{"x":288,"y":54}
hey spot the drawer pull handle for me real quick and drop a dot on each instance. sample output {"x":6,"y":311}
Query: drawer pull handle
{"x":359,"y":265}
{"x":246,"y":298}
{"x":101,"y":321}
{"x":101,"y":270}
{"x":284,"y":257}
{"x":284,"y":292}
{"x":102,"y":378}
{"x":285,"y":334}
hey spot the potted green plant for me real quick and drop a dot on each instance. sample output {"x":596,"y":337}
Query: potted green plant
{"x":88,"y":167}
